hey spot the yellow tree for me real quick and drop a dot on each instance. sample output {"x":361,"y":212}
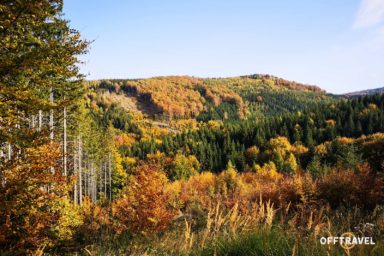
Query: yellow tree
{"x":34,"y":213}
{"x":144,"y":205}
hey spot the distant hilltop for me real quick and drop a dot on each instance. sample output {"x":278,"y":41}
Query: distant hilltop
{"x":287,"y":83}
{"x":205,"y":99}
{"x":365,"y":92}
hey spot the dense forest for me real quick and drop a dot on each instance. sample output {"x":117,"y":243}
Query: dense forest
{"x":252,"y":96}
{"x":175,"y":165}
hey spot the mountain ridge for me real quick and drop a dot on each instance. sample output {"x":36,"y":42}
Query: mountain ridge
{"x":365,"y":92}
{"x":231,"y":98}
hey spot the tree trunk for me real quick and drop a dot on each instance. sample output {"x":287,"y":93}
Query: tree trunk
{"x":85,"y":177}
{"x":51,"y":115}
{"x":95,"y":183}
{"x":75,"y":172}
{"x":110,"y":179}
{"x":33,"y":122}
{"x":101,"y":178}
{"x":40,"y":120}
{"x":80,"y":170}
{"x":51,"y":122}
{"x":105,"y":180}
{"x":9,"y":151}
{"x":65,"y":141}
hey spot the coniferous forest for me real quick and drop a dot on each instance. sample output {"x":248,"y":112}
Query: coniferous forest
{"x":175,"y":165}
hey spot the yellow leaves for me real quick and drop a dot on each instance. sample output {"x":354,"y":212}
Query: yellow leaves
{"x":330,"y":123}
{"x":127,"y":139}
{"x":219,"y":93}
{"x":291,"y":163}
{"x":34,"y":210}
{"x":175,"y":96}
{"x":94,"y":219}
{"x":145,"y":206}
{"x":214,"y":124}
{"x":183,"y":167}
{"x":206,"y":179}
{"x":364,"y":139}
{"x":281,"y":144}
{"x":150,"y":131}
{"x":268,"y":171}
{"x":185,"y":124}
{"x":130,"y":160}
{"x":282,"y":153}
{"x":252,"y":153}
{"x":174,"y":190}
{"x":299,"y":149}
{"x":227,"y":180}
{"x":69,"y":219}
{"x":145,"y":138}
{"x":156,"y":157}
{"x":270,"y":83}
{"x":345,"y":140}
{"x":150,"y":219}
{"x":322,"y":149}
{"x":119,"y":175}
{"x":370,"y":108}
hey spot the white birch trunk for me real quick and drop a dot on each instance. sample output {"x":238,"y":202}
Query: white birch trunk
{"x":40,"y":120}
{"x":51,"y":122}
{"x":80,"y":171}
{"x":110,"y":177}
{"x":101,"y":178}
{"x":9,"y":151}
{"x":105,"y":180}
{"x":51,"y":115}
{"x":65,"y":142}
{"x":75,"y":172}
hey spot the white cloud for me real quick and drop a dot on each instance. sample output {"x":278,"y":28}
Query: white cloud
{"x":370,"y":13}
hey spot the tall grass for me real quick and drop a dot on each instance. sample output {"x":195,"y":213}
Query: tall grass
{"x":262,"y":230}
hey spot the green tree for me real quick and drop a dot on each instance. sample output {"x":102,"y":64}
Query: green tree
{"x":183,"y":167}
{"x":38,"y":76}
{"x":38,"y":55}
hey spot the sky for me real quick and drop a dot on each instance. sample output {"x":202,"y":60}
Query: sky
{"x":337,"y":45}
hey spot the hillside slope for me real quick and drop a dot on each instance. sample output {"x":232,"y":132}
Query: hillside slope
{"x":365,"y":92}
{"x":183,"y":97}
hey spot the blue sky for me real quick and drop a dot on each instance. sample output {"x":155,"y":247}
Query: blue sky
{"x":338,"y":45}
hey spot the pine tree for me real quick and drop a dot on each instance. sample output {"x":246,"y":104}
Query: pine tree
{"x":32,"y":35}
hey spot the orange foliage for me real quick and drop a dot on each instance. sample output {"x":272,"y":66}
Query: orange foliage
{"x":330,"y":122}
{"x":144,"y":206}
{"x":174,"y":96}
{"x":96,"y":221}
{"x":360,"y":187}
{"x":125,"y":139}
{"x":33,"y":201}
{"x":343,"y":187}
{"x":229,"y":188}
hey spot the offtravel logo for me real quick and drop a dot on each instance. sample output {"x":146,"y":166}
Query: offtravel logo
{"x":347,"y":240}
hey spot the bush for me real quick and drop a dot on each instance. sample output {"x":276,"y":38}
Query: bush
{"x":144,"y":206}
{"x":349,"y":188}
{"x":34,"y":210}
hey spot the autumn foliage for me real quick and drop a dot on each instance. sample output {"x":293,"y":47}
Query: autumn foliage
{"x":34,"y":207}
{"x":144,"y":205}
{"x":352,"y":187}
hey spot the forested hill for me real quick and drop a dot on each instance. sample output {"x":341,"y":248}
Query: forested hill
{"x":365,"y":92}
{"x":184,"y":97}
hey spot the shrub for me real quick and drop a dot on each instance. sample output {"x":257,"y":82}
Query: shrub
{"x":144,"y":205}
{"x":344,"y":187}
{"x":34,"y":210}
